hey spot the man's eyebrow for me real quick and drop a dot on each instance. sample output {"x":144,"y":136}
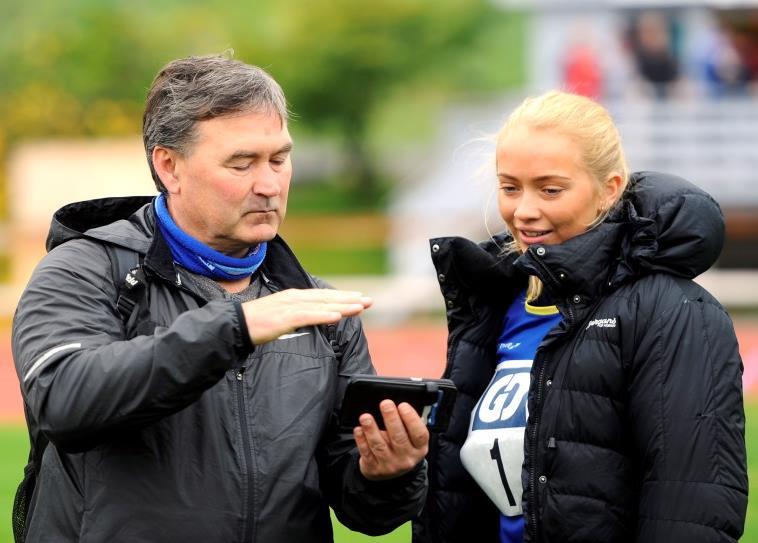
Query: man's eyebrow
{"x":284,"y":149}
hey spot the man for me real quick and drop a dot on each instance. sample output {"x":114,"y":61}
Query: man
{"x":207,"y":414}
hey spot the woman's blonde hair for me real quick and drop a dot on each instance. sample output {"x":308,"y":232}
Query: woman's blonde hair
{"x":588,"y":124}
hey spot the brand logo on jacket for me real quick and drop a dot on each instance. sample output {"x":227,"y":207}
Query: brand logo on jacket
{"x":290,"y":336}
{"x":510,"y":345}
{"x":602,"y":323}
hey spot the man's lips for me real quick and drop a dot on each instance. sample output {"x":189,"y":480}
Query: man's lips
{"x":260,"y":216}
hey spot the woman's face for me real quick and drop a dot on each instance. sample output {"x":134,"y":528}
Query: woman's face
{"x":545,"y":194}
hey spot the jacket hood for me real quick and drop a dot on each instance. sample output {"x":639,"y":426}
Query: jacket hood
{"x":663,"y":225}
{"x":113,"y":220}
{"x":676,"y":227}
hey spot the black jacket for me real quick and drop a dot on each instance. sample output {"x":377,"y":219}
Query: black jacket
{"x":188,"y":433}
{"x":636,"y":423}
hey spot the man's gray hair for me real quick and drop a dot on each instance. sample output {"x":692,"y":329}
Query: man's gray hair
{"x":193,"y":89}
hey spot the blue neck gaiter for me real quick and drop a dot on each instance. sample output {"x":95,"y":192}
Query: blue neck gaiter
{"x":198,"y":257}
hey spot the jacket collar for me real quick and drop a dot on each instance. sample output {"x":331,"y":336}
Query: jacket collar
{"x":281,"y":268}
{"x":581,"y":268}
{"x":480,"y":269}
{"x":130,"y":222}
{"x":664,"y":225}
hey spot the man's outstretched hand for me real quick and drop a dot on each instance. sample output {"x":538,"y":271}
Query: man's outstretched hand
{"x":269,"y":317}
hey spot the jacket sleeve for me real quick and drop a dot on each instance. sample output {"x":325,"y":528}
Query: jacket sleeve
{"x":687,"y":418}
{"x":371,"y":507}
{"x":81,"y":380}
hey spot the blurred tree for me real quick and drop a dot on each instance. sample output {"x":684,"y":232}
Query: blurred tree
{"x":339,"y":59}
{"x":81,"y":68}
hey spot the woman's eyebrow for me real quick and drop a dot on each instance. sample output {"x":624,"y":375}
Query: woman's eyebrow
{"x":547,"y":177}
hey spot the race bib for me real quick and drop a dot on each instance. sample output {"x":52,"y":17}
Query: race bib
{"x":494,"y":450}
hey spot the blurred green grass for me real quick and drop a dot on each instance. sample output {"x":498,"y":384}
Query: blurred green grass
{"x":14,"y":448}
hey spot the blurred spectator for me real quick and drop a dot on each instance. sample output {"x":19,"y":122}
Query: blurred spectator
{"x":741,"y":27}
{"x":650,"y":42}
{"x":723,"y":70}
{"x":582,"y":73}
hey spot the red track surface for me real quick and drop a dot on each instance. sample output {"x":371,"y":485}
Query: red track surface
{"x":408,"y":351}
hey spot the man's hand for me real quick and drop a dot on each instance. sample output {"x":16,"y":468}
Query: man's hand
{"x":269,"y":317}
{"x":398,"y":449}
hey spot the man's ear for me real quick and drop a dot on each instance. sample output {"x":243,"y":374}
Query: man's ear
{"x":165,"y":164}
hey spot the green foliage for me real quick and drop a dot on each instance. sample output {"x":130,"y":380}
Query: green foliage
{"x":337,"y":231}
{"x":336,"y":58}
{"x":340,"y":59}
{"x":326,"y":197}
{"x":82,"y":67}
{"x":5,"y":267}
{"x":325,"y":260}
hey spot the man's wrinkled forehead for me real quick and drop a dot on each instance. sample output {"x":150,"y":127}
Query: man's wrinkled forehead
{"x":278,"y":139}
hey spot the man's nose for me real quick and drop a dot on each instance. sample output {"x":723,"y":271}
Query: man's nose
{"x":267,"y":183}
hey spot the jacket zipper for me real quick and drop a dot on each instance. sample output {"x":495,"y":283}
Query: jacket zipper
{"x":273,"y":287}
{"x":175,"y":283}
{"x":543,"y":362}
{"x":572,"y":317}
{"x":248,"y":516}
{"x":533,"y":446}
{"x":538,"y":411}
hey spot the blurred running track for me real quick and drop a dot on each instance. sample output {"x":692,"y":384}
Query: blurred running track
{"x":406,"y":351}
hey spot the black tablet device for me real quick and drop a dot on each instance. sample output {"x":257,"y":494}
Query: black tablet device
{"x":432,"y":398}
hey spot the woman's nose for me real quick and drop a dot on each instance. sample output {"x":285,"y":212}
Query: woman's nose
{"x":527,"y":207}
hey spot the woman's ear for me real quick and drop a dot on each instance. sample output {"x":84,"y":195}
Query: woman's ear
{"x":612,"y":190}
{"x":165,"y":163}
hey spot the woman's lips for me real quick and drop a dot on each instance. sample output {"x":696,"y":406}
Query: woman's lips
{"x":530,"y":237}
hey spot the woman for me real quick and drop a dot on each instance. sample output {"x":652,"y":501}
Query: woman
{"x":586,"y":314}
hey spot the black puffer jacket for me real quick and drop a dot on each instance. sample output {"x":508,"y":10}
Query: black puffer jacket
{"x":187,"y":433}
{"x":636,"y":422}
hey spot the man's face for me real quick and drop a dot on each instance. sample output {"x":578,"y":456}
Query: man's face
{"x":230,"y":188}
